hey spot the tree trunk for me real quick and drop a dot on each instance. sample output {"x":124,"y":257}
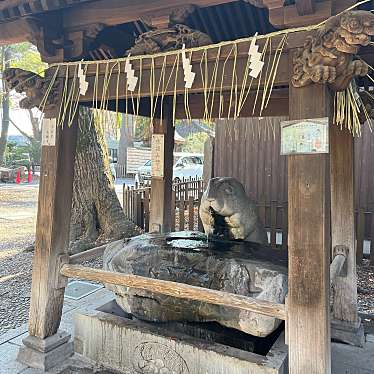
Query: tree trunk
{"x":126,"y":140}
{"x":5,"y":60}
{"x":97,"y":215}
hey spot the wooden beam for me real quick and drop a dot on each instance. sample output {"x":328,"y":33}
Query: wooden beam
{"x":90,"y":253}
{"x":115,"y":12}
{"x":161,"y":191}
{"x":224,"y":81}
{"x":52,"y":232}
{"x":278,"y":106}
{"x":305,"y":7}
{"x":175,"y":289}
{"x":342,"y":221}
{"x":300,"y":15}
{"x":308,"y":244}
{"x":16,"y":32}
{"x":273,"y":4}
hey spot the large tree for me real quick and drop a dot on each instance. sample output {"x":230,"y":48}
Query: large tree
{"x":97,"y":215}
{"x":5,"y":56}
{"x":126,"y":139}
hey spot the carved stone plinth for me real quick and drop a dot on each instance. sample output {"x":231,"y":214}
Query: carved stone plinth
{"x":134,"y":347}
{"x":46,"y":353}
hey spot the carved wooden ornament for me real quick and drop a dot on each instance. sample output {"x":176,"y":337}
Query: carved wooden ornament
{"x":34,"y":86}
{"x":328,"y":56}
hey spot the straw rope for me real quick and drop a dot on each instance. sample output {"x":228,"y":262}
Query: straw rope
{"x":346,"y":106}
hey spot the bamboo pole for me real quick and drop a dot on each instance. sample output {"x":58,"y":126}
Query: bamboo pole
{"x":176,"y":290}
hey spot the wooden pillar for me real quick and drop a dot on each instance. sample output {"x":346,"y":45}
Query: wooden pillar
{"x":308,"y":243}
{"x":208,"y":171}
{"x":52,"y":232}
{"x":346,"y":323}
{"x":161,"y":191}
{"x":44,"y":347}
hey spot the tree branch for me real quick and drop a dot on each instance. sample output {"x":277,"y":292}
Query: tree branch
{"x":21,"y":131}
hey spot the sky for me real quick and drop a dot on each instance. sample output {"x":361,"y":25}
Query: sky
{"x":21,"y":118}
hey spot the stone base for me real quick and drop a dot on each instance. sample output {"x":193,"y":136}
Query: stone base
{"x":135,"y":347}
{"x":241,"y":268}
{"x":348,"y":332}
{"x":46,"y":353}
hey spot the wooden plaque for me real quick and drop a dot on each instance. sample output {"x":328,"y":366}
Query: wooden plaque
{"x":158,"y":141}
{"x":49,"y":132}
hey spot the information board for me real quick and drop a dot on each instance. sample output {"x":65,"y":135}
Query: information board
{"x":158,"y":155}
{"x":306,"y":136}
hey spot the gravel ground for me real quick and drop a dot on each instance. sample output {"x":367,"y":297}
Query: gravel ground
{"x":18,"y":206}
{"x":365,"y":288}
{"x":17,"y":232}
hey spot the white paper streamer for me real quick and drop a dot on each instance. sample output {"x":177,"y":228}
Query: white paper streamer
{"x":132,"y":80}
{"x":189,"y":75}
{"x":256,"y":65}
{"x":83,"y":84}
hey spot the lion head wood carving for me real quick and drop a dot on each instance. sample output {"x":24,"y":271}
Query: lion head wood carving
{"x":33,"y":85}
{"x":328,"y":56}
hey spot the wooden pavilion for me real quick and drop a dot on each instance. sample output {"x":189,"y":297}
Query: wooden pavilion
{"x":85,"y":41}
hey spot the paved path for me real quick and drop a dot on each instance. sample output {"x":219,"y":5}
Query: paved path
{"x":12,"y":340}
{"x":345,"y":359}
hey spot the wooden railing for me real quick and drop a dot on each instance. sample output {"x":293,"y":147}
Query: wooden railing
{"x":174,"y":289}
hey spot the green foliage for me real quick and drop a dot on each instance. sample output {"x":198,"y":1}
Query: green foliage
{"x":24,"y":56}
{"x":16,"y":155}
{"x":27,"y":57}
{"x":35,"y":151}
{"x":143,"y":129}
{"x":195,"y":142}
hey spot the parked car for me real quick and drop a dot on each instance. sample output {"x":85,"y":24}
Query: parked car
{"x":186,"y":166}
{"x":144,"y":172}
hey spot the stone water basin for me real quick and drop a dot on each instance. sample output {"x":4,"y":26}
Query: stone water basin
{"x":237,"y":267}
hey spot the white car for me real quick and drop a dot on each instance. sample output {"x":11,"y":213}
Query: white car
{"x":187,"y":166}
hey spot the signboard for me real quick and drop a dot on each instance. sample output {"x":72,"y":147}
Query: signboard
{"x":49,"y":132}
{"x":158,"y":155}
{"x":308,"y":136}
